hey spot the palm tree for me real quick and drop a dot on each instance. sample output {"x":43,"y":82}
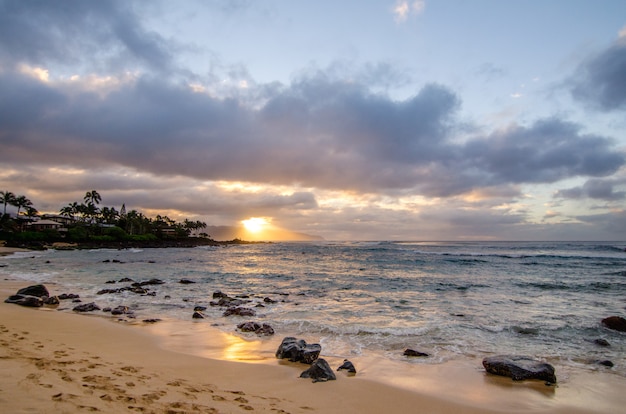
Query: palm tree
{"x":70,"y":210}
{"x":92,"y":197}
{"x":7,"y":197}
{"x":22,"y":202}
{"x":31,"y":212}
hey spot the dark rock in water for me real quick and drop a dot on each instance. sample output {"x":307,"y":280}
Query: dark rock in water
{"x":617,"y":323}
{"x":348,"y":366}
{"x":105,"y":291}
{"x":110,"y":282}
{"x":197,"y":315}
{"x":186,"y":281}
{"x":125,"y":280}
{"x":257,"y":328}
{"x":519,"y":368}
{"x":120,"y":310}
{"x":601,"y":342}
{"x":269,"y":300}
{"x":218,"y":294}
{"x":148,"y":282}
{"x":319,"y":371}
{"x":65,"y":296}
{"x":107,"y":309}
{"x":238,"y":311}
{"x":606,"y":363}
{"x":297,"y":350}
{"x":35,"y":290}
{"x":52,"y":300}
{"x":152,"y":320}
{"x":25,"y":300}
{"x":86,"y":307}
{"x":413,"y":353}
{"x":228,"y":301}
{"x":199,"y":308}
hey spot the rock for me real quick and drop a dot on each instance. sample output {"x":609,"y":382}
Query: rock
{"x":617,"y":323}
{"x":218,"y":294}
{"x":197,"y":315}
{"x":152,"y":320}
{"x":605,"y":363}
{"x":319,"y":371}
{"x":297,"y":350}
{"x":257,"y":328}
{"x":25,"y":300}
{"x":65,"y":296}
{"x":35,"y":290}
{"x":601,"y":342}
{"x":52,"y":300}
{"x":227,"y":301}
{"x":348,"y":366}
{"x":120,"y":310}
{"x":269,"y":300}
{"x":186,"y":281}
{"x":125,"y":280}
{"x":199,"y":308}
{"x":413,"y":353}
{"x":238,"y":311}
{"x":148,"y":282}
{"x":105,"y":291}
{"x":86,"y":307}
{"x":519,"y":368}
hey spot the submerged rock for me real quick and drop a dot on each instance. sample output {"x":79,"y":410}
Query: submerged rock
{"x":413,"y":353}
{"x":519,"y":368}
{"x":238,"y":311}
{"x":257,"y":328}
{"x":319,"y":371}
{"x":297,"y":350}
{"x":617,"y":323}
{"x":86,"y":307}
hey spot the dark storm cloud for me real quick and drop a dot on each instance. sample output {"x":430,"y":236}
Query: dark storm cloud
{"x":601,"y":81}
{"x":596,"y":189}
{"x":317,"y":132}
{"x":76,"y":32}
{"x":547,"y":151}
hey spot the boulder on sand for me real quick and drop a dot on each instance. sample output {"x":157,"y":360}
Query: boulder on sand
{"x":519,"y":368}
{"x":319,"y":371}
{"x":297,"y":350}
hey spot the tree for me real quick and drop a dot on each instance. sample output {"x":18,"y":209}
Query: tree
{"x":109,"y":215}
{"x":7,"y":197}
{"x":92,"y":197}
{"x":22,"y":202}
{"x":70,"y":210}
{"x":31,"y":212}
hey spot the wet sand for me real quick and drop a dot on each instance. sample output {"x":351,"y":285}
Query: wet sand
{"x":61,"y":362}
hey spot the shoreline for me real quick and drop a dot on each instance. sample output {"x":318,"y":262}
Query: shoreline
{"x":59,"y":359}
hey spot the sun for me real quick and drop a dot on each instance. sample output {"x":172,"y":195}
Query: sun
{"x":254,"y":224}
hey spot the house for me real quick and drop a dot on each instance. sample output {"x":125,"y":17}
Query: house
{"x":44,"y":225}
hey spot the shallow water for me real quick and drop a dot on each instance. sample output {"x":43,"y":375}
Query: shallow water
{"x":454,"y":301}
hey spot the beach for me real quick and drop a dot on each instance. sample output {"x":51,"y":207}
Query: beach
{"x":59,"y":362}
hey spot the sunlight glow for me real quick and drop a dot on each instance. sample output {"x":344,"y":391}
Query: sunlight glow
{"x":255,"y":224}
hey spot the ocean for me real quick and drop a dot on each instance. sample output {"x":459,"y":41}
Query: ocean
{"x":451,"y":300}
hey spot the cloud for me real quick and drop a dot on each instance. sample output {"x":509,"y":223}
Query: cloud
{"x":601,"y":81}
{"x":317,"y":132}
{"x":599,"y":189}
{"x":101,"y":35}
{"x":404,"y":8}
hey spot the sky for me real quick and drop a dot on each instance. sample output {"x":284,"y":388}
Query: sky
{"x":349,"y":120}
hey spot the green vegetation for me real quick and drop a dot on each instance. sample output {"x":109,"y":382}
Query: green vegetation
{"x":88,"y":222}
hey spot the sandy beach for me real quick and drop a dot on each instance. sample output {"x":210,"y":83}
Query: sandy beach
{"x":60,"y":362}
